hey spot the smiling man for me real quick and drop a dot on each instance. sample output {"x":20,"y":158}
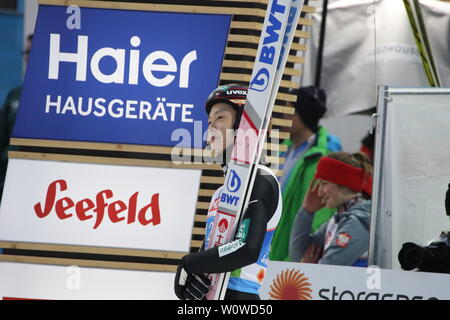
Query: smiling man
{"x":246,"y":255}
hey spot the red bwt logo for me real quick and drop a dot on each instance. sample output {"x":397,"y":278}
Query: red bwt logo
{"x":222,"y":228}
{"x":223,"y":225}
{"x":98,"y":206}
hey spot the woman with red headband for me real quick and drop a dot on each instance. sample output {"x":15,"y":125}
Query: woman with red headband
{"x":342,"y":181}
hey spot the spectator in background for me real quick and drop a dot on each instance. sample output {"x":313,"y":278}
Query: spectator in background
{"x":7,"y":119}
{"x":342,"y":181}
{"x":368,"y":145}
{"x":308,"y":142}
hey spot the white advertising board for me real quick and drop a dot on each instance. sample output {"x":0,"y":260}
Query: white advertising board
{"x":412,"y":171}
{"x":284,"y":280}
{"x":99,"y":205}
{"x":35,"y":281}
{"x":303,"y":281}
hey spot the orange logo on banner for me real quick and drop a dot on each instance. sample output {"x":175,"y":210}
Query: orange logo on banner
{"x":291,"y":285}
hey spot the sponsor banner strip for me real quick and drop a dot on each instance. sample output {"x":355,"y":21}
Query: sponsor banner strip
{"x":157,"y":7}
{"x":306,"y":281}
{"x":107,"y":147}
{"x":113,"y":161}
{"x":88,"y":263}
{"x":91,"y":250}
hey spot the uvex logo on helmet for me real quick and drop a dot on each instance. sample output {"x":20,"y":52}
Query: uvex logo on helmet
{"x":233,"y":93}
{"x":237,"y":92}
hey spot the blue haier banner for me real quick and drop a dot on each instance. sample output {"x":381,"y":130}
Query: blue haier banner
{"x":123,"y":77}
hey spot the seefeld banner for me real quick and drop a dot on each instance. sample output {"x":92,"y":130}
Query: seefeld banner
{"x":120,"y":76}
{"x":305,"y":281}
{"x":120,"y":206}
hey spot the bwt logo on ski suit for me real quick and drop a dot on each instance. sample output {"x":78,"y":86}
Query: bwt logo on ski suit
{"x":267,"y":55}
{"x":233,"y":184}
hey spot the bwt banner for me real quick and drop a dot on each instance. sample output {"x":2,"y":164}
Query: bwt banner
{"x":122,"y":77}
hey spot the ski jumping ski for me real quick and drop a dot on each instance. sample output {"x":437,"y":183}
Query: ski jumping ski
{"x":277,"y":34}
{"x":416,"y":21}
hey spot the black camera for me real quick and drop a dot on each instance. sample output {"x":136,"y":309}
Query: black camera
{"x":433,"y":258}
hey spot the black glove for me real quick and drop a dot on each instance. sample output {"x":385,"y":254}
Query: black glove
{"x":190,"y":286}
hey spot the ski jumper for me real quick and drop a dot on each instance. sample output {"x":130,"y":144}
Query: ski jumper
{"x":246,"y":257}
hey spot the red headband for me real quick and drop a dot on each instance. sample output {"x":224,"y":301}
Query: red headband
{"x":344,"y":174}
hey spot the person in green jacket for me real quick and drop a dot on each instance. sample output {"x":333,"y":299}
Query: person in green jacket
{"x":308,"y":142}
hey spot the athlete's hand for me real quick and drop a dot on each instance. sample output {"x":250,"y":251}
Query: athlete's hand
{"x":190,"y":286}
{"x":197,"y":286}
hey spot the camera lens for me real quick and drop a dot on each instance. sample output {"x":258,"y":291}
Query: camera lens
{"x":410,"y":256}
